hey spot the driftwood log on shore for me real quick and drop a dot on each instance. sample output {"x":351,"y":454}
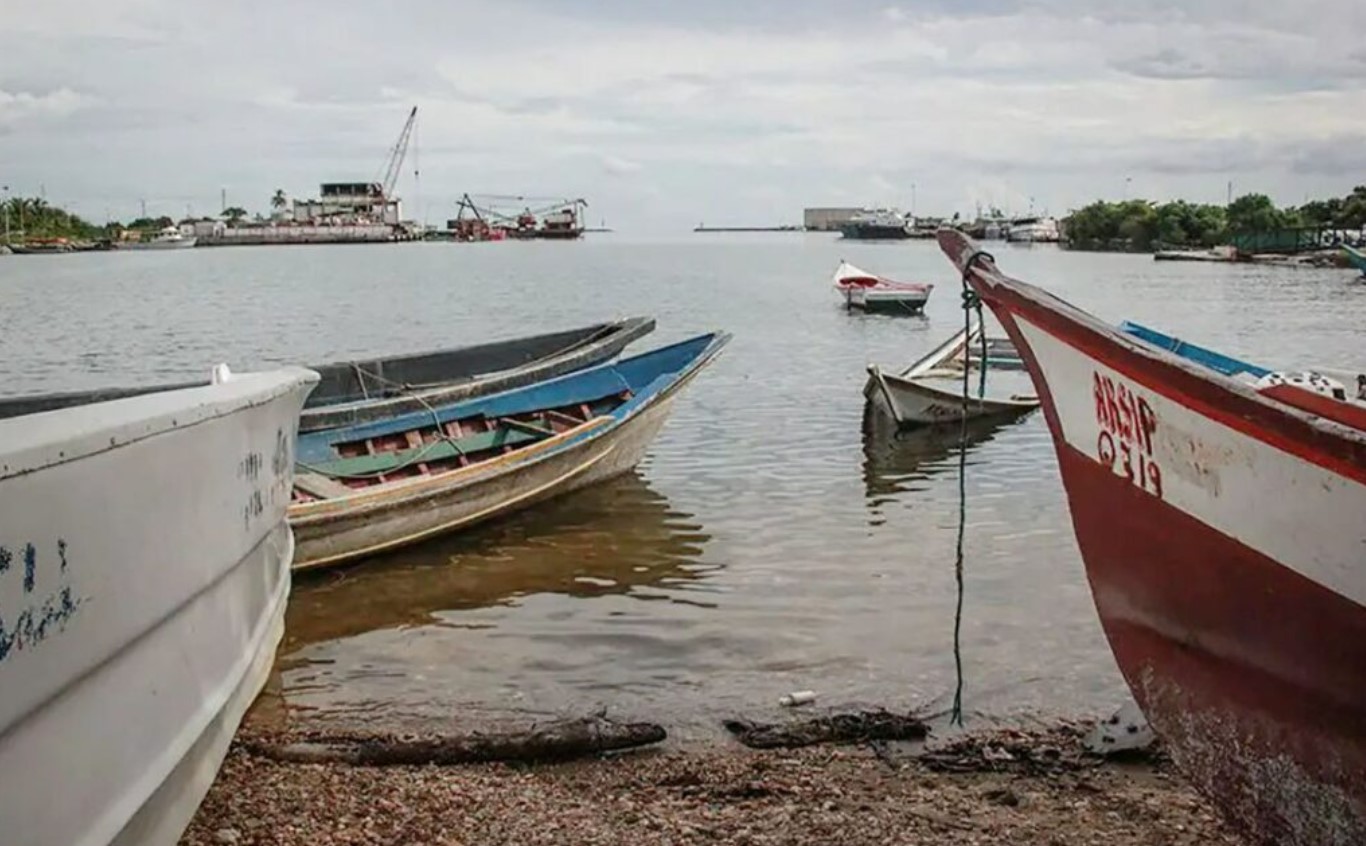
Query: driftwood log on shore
{"x":855,"y":727}
{"x":558,"y":741}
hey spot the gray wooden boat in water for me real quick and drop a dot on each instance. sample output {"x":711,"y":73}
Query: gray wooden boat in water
{"x":353,"y":392}
{"x":930,"y":392}
{"x":362,"y":391}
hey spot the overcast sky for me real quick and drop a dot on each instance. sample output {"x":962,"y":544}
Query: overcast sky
{"x":664,"y":113}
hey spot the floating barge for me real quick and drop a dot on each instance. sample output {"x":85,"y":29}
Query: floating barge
{"x":495,"y":218}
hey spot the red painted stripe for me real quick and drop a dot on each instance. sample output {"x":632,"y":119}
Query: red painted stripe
{"x":1325,"y":407}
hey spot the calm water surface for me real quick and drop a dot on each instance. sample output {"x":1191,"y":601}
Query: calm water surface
{"x":766,"y":544}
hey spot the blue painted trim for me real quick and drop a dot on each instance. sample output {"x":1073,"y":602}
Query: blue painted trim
{"x":646,"y":376}
{"x":1356,"y":257}
{"x":1215,"y":361}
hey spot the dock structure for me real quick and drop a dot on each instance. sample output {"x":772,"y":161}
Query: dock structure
{"x":258,"y":235}
{"x":829,"y":218}
{"x":1285,"y":241}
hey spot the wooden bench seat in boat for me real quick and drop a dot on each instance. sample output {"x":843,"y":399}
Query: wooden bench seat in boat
{"x":388,"y":461}
{"x":318,"y":486}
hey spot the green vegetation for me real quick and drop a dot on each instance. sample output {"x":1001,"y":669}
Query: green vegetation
{"x":1344,"y":213}
{"x":147,"y":224}
{"x":32,"y":217}
{"x":1142,"y":225}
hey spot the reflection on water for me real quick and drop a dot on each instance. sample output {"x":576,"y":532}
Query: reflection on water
{"x":410,"y":634}
{"x":617,"y":538}
{"x":899,"y":461}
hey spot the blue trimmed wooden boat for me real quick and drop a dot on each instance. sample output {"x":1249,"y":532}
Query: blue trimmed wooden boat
{"x":374,"y":487}
{"x":1356,"y":258}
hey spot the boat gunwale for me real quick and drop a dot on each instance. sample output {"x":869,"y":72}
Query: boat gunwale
{"x":75,"y":446}
{"x":593,"y":333}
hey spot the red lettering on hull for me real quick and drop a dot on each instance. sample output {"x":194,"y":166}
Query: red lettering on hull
{"x":1127,"y":423}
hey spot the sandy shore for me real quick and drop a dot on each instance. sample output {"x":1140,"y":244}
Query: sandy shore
{"x":998,"y":787}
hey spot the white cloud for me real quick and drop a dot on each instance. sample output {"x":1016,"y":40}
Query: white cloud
{"x":23,"y":108}
{"x":617,"y":166}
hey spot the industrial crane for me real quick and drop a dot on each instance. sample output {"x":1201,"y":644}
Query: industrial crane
{"x":397,"y":154}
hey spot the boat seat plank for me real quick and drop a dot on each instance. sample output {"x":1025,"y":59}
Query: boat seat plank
{"x":529,"y":428}
{"x":565,"y":419}
{"x":384,"y":462}
{"x":320,"y":486}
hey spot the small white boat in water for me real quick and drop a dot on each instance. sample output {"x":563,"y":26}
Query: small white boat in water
{"x":870,"y":292}
{"x":1034,"y":230}
{"x":930,"y":392}
{"x":144,"y":569}
{"x":169,"y":238}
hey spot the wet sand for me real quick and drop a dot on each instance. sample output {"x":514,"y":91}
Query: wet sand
{"x":1005,"y":787}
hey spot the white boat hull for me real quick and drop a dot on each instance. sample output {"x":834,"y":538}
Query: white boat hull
{"x":918,"y":402}
{"x":893,"y":300}
{"x":177,"y":244}
{"x":1043,"y":231}
{"x":142,"y":593}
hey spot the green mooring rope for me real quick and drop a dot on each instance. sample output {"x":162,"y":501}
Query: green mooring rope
{"x":972,"y":304}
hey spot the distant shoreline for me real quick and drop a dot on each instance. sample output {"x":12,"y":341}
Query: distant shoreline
{"x":790,"y":228}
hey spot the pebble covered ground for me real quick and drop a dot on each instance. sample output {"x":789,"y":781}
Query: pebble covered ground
{"x":1001,"y":788}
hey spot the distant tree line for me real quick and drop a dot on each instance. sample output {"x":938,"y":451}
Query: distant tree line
{"x":34,"y":218}
{"x":1142,"y":225}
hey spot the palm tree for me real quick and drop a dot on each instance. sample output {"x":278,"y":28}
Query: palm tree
{"x":279,"y":201}
{"x":234,"y":214}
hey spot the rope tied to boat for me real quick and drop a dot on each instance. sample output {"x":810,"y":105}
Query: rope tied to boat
{"x":442,"y":436}
{"x":972,"y":305}
{"x":399,"y":388}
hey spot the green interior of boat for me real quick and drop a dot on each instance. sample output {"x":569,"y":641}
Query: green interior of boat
{"x":432,"y":449}
{"x":442,"y":450}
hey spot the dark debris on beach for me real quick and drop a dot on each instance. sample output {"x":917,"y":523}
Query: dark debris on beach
{"x":999,"y":786}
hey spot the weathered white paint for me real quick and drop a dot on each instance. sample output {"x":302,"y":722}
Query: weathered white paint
{"x":868,"y":298}
{"x":1222,"y":477}
{"x":925,"y":402}
{"x":160,"y":555}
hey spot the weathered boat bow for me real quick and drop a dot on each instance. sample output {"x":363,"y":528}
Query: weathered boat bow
{"x":1222,"y":535}
{"x":144,"y":572}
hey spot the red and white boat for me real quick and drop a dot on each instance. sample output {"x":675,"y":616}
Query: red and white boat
{"x":1224,"y":534}
{"x":870,"y":292}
